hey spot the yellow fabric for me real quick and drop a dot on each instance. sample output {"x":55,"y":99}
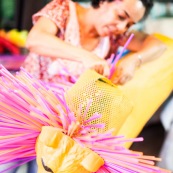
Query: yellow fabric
{"x":61,"y":154}
{"x":150,"y":87}
{"x":107,"y":99}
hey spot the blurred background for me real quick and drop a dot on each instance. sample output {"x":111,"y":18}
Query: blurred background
{"x":17,"y":14}
{"x":16,"y":21}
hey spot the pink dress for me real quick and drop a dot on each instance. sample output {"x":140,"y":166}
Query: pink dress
{"x":44,"y":68}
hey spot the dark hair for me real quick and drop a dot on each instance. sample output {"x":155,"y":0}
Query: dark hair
{"x":148,"y":4}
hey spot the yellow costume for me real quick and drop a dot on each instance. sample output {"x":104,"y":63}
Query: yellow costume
{"x":128,"y":108}
{"x":65,"y":131}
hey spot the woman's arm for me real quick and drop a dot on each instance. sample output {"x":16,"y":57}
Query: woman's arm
{"x":43,"y":41}
{"x":145,"y":45}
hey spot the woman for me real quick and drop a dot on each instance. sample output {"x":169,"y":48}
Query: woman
{"x":68,"y":37}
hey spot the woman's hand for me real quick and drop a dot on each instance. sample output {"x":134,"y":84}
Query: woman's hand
{"x":101,"y":66}
{"x":125,"y":69}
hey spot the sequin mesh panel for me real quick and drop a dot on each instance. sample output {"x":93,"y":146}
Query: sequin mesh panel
{"x":107,"y":99}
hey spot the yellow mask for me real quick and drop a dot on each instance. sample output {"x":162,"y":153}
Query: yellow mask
{"x":58,"y":153}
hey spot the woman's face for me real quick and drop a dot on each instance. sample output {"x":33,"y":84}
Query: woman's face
{"x":116,"y":17}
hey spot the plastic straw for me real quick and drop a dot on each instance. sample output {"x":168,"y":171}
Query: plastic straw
{"x":112,"y":70}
